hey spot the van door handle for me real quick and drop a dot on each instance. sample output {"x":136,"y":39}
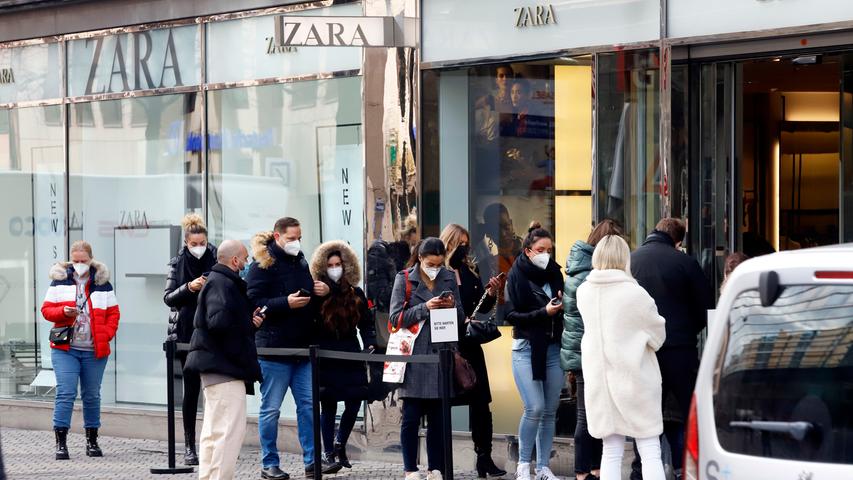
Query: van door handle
{"x":797,"y":430}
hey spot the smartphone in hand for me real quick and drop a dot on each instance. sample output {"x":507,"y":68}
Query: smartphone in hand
{"x":445,"y":295}
{"x":304,"y":293}
{"x":556,"y":301}
{"x":263,"y":311}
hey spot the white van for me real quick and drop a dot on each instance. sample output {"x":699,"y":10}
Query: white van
{"x":774,"y":394}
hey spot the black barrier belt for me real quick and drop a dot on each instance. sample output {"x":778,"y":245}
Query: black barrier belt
{"x":337,"y":355}
{"x":443,"y":358}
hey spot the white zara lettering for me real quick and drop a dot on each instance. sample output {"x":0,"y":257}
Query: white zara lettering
{"x":535,"y":16}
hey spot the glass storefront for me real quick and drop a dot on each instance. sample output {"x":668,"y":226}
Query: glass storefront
{"x":509,"y":144}
{"x":142,"y":132}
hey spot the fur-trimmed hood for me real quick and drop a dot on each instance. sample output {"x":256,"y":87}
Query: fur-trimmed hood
{"x":61,"y":270}
{"x":260,"y":249}
{"x":352,"y":266}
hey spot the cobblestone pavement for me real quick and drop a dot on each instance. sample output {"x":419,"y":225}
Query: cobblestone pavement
{"x":29,"y":455}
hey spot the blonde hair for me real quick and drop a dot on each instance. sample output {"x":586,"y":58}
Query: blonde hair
{"x":193,"y":224}
{"x":81,"y":246}
{"x":612,"y":253}
{"x":451,"y":237}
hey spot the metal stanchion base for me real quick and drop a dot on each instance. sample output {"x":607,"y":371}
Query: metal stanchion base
{"x":172,"y":471}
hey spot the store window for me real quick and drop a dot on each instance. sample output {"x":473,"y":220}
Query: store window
{"x":32,"y":202}
{"x":509,"y":144}
{"x":129,"y":188}
{"x":628,"y":180}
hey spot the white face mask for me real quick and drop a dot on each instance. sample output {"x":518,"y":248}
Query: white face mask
{"x":541,"y":260}
{"x":198,"y":251}
{"x":81,"y":269}
{"x":335,"y":273}
{"x":431,"y":272}
{"x":292,"y":248}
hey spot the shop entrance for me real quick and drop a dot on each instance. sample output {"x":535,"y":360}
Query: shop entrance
{"x":769,"y":143}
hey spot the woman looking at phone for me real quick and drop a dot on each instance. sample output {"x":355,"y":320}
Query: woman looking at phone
{"x":534,"y":303}
{"x":82,"y":305}
{"x":187,"y":274}
{"x":417,"y":291}
{"x":457,"y":241}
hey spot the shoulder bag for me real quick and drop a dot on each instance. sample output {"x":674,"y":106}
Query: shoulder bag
{"x":481,"y":332}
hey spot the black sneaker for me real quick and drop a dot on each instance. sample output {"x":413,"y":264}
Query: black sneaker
{"x":274,"y":473}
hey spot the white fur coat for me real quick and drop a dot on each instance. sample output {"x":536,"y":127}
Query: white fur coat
{"x":622,"y":380}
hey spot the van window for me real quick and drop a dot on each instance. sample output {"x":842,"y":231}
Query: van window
{"x":786,"y":380}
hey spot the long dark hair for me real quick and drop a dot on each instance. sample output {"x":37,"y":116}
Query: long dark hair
{"x":341,"y":310}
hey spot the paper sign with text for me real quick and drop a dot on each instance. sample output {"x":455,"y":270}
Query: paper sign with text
{"x":442,"y":324}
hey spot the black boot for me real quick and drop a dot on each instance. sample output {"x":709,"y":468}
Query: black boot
{"x":92,"y":448}
{"x":190,"y":455}
{"x":341,"y":453}
{"x":486,"y":466}
{"x":61,"y":443}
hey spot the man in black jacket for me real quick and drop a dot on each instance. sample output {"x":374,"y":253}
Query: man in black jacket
{"x":222,"y":351}
{"x":280,"y":280}
{"x":676,"y":283}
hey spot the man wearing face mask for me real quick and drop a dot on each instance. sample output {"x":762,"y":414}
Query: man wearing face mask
{"x":222,"y":353}
{"x":279,"y":279}
{"x":187,"y":272}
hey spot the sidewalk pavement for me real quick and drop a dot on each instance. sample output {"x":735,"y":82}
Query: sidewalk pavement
{"x":30,"y":454}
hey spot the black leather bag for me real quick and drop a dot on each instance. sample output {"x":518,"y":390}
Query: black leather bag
{"x":61,"y":335}
{"x":482,"y":332}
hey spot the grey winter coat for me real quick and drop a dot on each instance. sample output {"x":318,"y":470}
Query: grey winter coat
{"x":578,"y":266}
{"x":422,"y":380}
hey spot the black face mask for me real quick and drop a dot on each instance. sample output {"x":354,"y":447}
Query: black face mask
{"x":459,"y":256}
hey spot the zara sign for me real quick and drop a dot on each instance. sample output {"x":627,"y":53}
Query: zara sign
{"x":304,"y":31}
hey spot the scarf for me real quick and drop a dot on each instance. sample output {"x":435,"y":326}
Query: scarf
{"x":521,"y":276}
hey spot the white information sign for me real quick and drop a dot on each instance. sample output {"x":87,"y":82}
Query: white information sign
{"x":443,"y":326}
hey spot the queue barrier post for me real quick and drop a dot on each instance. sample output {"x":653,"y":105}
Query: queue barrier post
{"x":169,"y":347}
{"x":315,"y":410}
{"x":446,"y":372}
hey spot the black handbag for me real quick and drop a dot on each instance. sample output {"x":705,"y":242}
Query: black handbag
{"x":481,"y":332}
{"x":61,"y":335}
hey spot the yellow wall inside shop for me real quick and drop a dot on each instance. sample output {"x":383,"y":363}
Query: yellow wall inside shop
{"x":506,"y":402}
{"x":573,"y":169}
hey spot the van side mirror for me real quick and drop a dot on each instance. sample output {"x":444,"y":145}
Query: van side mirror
{"x":769,"y":288}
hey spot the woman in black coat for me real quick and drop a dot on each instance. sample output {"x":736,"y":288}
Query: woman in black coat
{"x":457,"y":242}
{"x":534,"y":291}
{"x":344,"y":309}
{"x":187,"y":274}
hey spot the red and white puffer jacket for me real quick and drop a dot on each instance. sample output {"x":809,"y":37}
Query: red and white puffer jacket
{"x":103,"y":307}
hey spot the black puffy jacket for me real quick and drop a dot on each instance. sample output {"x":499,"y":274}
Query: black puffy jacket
{"x":178,"y":297}
{"x":272,"y":277}
{"x":223,"y":341}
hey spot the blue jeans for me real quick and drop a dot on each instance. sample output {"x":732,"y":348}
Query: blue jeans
{"x":540,"y":399}
{"x":278,"y":377}
{"x":73,"y":367}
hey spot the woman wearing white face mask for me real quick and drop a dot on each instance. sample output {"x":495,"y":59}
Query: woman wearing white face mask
{"x":534,"y":301}
{"x":417,"y":290}
{"x":82,"y":305}
{"x":340,"y":313}
{"x":186,"y":276}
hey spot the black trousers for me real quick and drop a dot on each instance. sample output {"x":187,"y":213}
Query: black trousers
{"x":587,"y":448}
{"x":678,"y":369}
{"x":413,"y":410}
{"x":189,"y":403}
{"x":480,"y":422}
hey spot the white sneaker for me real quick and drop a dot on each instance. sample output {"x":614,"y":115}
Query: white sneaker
{"x":413,"y":476}
{"x":434,"y":475}
{"x":522,"y":472}
{"x":545,"y":473}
